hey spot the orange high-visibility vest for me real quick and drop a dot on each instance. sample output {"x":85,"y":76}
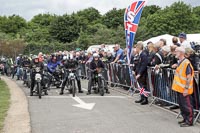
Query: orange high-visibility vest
{"x":179,"y":83}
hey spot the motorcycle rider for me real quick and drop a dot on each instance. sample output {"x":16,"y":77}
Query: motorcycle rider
{"x":71,"y":63}
{"x":25,"y":64}
{"x":19,"y":65}
{"x":96,"y":65}
{"x":35,"y":64}
{"x":52,"y":65}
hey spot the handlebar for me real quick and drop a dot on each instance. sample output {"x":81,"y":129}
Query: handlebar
{"x":72,"y":69}
{"x":102,"y":69}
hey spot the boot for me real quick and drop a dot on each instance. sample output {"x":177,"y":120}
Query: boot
{"x":89,"y":92}
{"x":61,"y":92}
{"x":174,"y":107}
{"x":145,"y":101}
{"x":80,"y":91}
{"x":31,"y":92}
{"x":79,"y":88}
{"x":107,"y":91}
{"x":182,"y":121}
{"x":140,"y":101}
{"x":45,"y":92}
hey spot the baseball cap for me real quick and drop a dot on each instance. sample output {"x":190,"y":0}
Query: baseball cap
{"x":182,"y":35}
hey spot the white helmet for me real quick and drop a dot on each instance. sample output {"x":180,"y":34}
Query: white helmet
{"x":64,"y":57}
{"x":95,"y":55}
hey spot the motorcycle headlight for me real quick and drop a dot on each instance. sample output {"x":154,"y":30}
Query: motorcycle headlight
{"x":99,"y":74}
{"x":38,"y":77}
{"x":71,"y":74}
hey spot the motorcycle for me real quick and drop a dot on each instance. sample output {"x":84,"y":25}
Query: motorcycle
{"x":38,"y":82}
{"x":71,"y":84}
{"x":57,"y":77}
{"x":27,"y":76}
{"x":99,"y":83}
{"x":46,"y":77}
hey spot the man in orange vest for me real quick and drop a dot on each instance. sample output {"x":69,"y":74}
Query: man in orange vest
{"x":183,"y":85}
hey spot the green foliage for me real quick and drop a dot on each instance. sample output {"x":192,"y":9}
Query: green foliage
{"x":45,"y":47}
{"x":13,"y":47}
{"x":4,"y":102}
{"x":43,"y":20}
{"x":12,"y":24}
{"x":149,"y":10}
{"x":49,"y":33}
{"x":114,"y":18}
{"x":89,"y":15}
{"x":65,"y":28}
{"x":172,"y":20}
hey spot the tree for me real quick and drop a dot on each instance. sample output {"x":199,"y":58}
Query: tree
{"x":65,"y":28}
{"x":196,"y":12}
{"x":102,"y":35}
{"x":114,"y":18}
{"x":171,"y":20}
{"x":12,"y":48}
{"x":90,"y":15}
{"x":86,"y":17}
{"x":43,"y":20}
{"x":49,"y":32}
{"x":12,"y":24}
{"x":149,"y":10}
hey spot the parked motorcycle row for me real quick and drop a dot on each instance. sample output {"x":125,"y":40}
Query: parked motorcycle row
{"x":44,"y":80}
{"x":40,"y":80}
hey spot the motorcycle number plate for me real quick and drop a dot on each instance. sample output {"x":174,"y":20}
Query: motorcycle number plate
{"x":38,"y":77}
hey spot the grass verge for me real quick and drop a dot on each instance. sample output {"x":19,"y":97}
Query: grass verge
{"x":4,"y":102}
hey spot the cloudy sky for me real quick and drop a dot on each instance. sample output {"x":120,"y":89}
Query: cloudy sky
{"x":28,"y":8}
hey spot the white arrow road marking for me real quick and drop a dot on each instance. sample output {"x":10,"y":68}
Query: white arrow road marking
{"x":84,"y":89}
{"x":82,"y":104}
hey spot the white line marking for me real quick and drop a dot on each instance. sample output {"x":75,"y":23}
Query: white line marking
{"x":82,"y":104}
{"x":84,"y":89}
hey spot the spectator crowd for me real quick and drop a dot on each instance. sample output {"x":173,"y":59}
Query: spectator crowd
{"x":159,"y":55}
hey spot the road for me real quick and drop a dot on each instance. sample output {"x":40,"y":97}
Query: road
{"x":112,"y":113}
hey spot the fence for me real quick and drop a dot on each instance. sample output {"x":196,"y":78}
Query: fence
{"x":116,"y":74}
{"x":159,"y":82}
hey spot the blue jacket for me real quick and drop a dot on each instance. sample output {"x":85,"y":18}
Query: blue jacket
{"x":52,"y":65}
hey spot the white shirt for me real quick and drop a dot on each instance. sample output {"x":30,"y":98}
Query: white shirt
{"x":186,"y":44}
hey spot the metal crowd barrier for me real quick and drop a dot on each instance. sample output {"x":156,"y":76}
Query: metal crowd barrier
{"x":115,"y":74}
{"x":159,"y":83}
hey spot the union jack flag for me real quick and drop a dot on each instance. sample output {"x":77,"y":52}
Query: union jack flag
{"x":143,"y":92}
